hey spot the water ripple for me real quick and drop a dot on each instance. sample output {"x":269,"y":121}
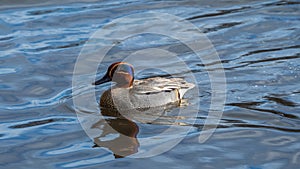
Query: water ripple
{"x":55,"y":100}
{"x":13,"y":130}
{"x":37,"y":123}
{"x":220,"y":12}
{"x":252,"y":106}
{"x":271,"y":50}
{"x":281,"y":101}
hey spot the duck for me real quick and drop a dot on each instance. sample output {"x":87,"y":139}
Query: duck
{"x":129,"y":93}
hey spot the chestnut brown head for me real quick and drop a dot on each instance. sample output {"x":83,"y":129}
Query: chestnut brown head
{"x":120,"y":72}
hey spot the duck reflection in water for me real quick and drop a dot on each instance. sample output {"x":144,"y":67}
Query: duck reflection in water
{"x":119,"y":134}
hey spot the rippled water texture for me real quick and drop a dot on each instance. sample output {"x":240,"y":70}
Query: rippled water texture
{"x":258,"y":43}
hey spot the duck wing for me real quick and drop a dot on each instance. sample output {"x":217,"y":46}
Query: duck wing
{"x":161,"y":85}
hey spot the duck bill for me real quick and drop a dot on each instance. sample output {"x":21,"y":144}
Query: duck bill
{"x":102,"y":80}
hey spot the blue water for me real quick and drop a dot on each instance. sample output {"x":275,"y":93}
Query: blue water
{"x":258,"y":44}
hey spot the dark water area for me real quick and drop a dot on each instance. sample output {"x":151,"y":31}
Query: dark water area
{"x":258,"y":43}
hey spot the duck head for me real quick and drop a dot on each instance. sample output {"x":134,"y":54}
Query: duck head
{"x":121,"y":73}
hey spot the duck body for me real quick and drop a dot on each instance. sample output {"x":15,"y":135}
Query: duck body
{"x":139,"y":94}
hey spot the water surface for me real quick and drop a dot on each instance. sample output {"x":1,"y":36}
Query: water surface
{"x":258,"y":44}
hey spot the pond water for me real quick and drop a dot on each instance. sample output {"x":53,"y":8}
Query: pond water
{"x":258,"y":45}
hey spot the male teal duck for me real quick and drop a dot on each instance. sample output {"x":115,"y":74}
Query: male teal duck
{"x":146,"y":93}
